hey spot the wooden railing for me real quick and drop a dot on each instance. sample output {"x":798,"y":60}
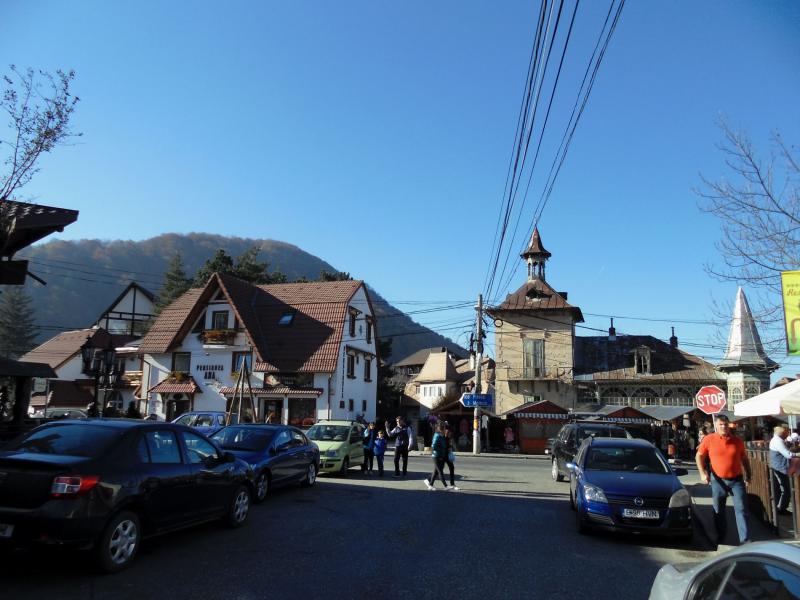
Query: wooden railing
{"x":762,"y":501}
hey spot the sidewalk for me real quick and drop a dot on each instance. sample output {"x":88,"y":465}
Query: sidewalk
{"x":703,"y":513}
{"x":485,"y":455}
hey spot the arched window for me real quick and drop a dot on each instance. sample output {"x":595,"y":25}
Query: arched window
{"x":613,"y":392}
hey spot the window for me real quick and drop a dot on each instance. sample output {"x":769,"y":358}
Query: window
{"x":298,"y":439}
{"x":286,"y":319}
{"x":181,"y":362}
{"x":284,"y":438}
{"x":533,"y":358}
{"x":239,"y":358}
{"x":219,"y":319}
{"x":351,"y":366}
{"x":352,"y":324}
{"x":341,"y":404}
{"x":363,"y":406}
{"x":369,"y":331}
{"x":761,"y":579}
{"x":642,"y":360}
{"x":302,"y":412}
{"x":163,"y":447}
{"x":367,"y":369}
{"x":141,"y":451}
{"x":197,"y":449}
{"x":350,"y":405}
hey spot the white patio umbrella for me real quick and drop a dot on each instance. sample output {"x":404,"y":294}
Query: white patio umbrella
{"x":783,"y":400}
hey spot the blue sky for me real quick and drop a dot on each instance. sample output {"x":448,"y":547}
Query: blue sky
{"x":377,"y":136}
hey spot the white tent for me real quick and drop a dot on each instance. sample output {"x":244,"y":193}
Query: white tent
{"x":782,"y":400}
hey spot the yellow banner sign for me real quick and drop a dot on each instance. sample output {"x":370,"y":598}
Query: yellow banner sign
{"x":790,"y":283}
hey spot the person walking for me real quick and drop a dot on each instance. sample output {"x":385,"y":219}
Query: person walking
{"x":729,"y":475}
{"x":369,"y":448}
{"x":779,"y":456}
{"x":401,"y":434}
{"x":379,"y":450}
{"x":450,"y":456}
{"x":439,"y":448}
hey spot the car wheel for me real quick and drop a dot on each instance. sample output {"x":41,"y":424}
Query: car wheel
{"x":554,"y":472}
{"x":119,"y":542}
{"x":311,"y":476}
{"x":345,"y":466}
{"x":262,"y":487}
{"x":239,"y":507}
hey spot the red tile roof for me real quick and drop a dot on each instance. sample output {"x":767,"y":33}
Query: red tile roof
{"x":276,"y":391}
{"x":173,"y":387}
{"x":61,"y":348}
{"x":310,"y":344}
{"x":536,"y":295}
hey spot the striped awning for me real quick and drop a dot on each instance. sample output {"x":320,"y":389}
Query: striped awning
{"x":277,"y":391}
{"x":538,"y":415}
{"x":174,"y":387}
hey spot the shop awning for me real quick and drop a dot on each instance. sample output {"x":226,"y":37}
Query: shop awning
{"x":277,"y":391}
{"x":665,"y":413}
{"x":543,"y":409}
{"x":175,"y":387}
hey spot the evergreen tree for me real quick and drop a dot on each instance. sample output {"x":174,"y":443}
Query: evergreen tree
{"x":221,"y":262}
{"x":17,"y":323}
{"x":325,"y":275}
{"x":246,"y":268}
{"x":175,"y":283}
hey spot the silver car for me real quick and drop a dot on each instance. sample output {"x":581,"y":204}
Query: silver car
{"x":758,"y":570}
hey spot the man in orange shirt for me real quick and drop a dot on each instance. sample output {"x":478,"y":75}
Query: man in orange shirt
{"x":730,"y":473}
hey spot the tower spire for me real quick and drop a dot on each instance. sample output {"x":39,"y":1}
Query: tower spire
{"x":536,"y":256}
{"x":744,"y":343}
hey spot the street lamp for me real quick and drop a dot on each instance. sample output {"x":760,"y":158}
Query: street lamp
{"x":99,"y":364}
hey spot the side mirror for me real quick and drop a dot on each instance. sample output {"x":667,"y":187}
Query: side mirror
{"x":680,"y":471}
{"x":570,"y":466}
{"x":228,"y":457}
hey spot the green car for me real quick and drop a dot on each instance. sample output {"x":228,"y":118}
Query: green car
{"x":340,"y":445}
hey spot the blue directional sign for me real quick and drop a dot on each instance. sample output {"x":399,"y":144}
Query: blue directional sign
{"x":473,"y":400}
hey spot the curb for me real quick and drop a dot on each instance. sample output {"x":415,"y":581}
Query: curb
{"x":486,"y":455}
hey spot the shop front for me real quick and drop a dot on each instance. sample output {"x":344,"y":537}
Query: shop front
{"x":532,"y":425}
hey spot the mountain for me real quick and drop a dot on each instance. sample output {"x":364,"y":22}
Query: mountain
{"x":84,"y":277}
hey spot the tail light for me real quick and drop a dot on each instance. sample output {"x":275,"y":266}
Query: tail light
{"x":72,"y":486}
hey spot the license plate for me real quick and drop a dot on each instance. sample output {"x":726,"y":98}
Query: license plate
{"x":636,"y":513}
{"x":6,"y":530}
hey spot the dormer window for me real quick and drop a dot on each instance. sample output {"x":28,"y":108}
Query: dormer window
{"x":286,"y":319}
{"x":219,"y":319}
{"x":642,"y":358}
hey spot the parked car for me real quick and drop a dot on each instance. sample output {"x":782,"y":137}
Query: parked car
{"x":628,"y":485}
{"x":107,"y":484}
{"x":277,"y":454}
{"x":759,"y":570}
{"x":206,"y":422}
{"x":60,"y":413}
{"x":340,"y":445}
{"x":570,"y":437}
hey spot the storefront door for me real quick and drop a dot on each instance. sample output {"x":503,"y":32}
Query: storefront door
{"x":302,"y":412}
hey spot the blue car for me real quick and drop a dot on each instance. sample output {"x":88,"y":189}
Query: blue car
{"x":628,"y":485}
{"x":277,"y":454}
{"x":207,"y":422}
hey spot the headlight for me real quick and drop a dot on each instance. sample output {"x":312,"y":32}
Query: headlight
{"x":592,"y":493}
{"x":331,"y":453}
{"x":680,"y":499}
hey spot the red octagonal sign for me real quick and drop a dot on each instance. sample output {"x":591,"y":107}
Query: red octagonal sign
{"x":710,"y":399}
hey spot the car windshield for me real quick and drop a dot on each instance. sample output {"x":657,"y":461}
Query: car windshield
{"x":638,"y":460}
{"x":70,"y":440}
{"x":248,"y":439}
{"x":617,"y":432}
{"x":204,"y":421}
{"x":328,"y":433}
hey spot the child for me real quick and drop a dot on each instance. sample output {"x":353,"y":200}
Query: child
{"x":378,"y":450}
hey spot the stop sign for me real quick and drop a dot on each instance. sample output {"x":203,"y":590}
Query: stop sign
{"x":710,"y":399}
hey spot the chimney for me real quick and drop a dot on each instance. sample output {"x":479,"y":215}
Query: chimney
{"x":673,"y":341}
{"x":612,"y":333}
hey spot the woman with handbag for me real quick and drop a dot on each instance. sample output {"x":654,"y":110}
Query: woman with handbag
{"x":450,"y":458}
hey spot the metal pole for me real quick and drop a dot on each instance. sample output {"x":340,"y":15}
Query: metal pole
{"x":476,"y":419}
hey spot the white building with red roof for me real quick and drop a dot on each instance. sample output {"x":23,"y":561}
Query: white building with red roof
{"x":310,"y":349}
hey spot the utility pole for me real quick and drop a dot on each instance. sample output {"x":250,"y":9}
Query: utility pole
{"x":476,"y":420}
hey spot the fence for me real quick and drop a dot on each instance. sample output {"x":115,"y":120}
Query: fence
{"x":763,"y":503}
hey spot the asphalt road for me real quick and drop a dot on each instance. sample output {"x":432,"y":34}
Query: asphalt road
{"x":509,"y":533}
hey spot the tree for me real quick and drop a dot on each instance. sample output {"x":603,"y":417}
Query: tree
{"x":175,"y":283}
{"x":247,"y":268}
{"x":17,"y":323}
{"x":39,"y":107}
{"x":326,"y":275}
{"x":759,"y":209}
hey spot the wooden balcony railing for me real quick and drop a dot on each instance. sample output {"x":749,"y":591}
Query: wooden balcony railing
{"x":218,"y":337}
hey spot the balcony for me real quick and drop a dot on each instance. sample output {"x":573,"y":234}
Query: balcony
{"x":218,"y":337}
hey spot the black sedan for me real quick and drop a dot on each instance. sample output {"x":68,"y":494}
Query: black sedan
{"x":107,"y":484}
{"x":278,"y":455}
